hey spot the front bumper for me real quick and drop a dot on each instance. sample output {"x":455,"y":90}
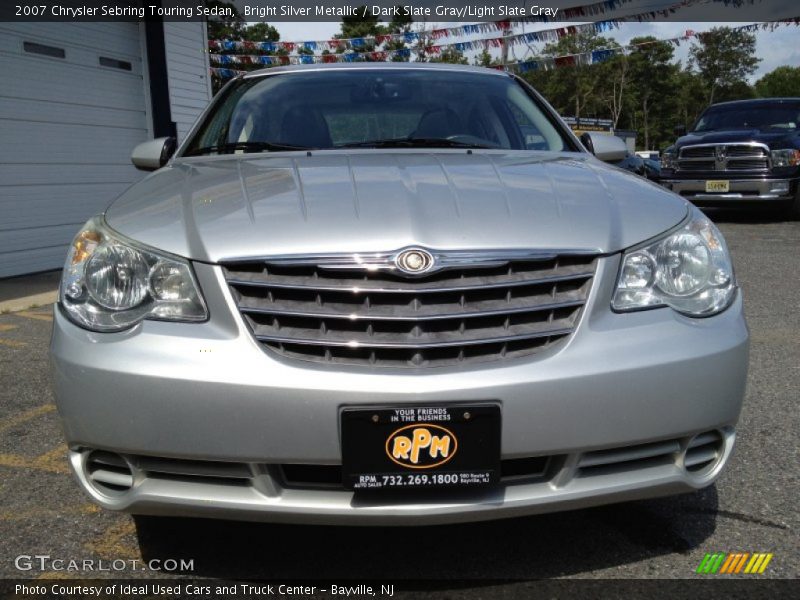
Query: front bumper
{"x":741,"y":190}
{"x":208,"y":392}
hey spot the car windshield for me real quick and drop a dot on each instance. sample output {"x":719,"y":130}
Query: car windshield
{"x":380,"y":108}
{"x":760,"y":116}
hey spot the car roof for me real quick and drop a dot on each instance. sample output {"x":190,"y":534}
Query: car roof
{"x":757,"y":101}
{"x":416,"y":66}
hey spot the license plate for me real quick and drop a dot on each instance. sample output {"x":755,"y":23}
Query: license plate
{"x":718,"y":186}
{"x":421,"y":447}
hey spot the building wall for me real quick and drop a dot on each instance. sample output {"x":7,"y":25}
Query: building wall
{"x":187,"y":67}
{"x":68,"y":124}
{"x":69,"y":121}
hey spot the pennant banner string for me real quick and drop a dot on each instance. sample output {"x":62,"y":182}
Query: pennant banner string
{"x":541,"y":62}
{"x":544,"y":35}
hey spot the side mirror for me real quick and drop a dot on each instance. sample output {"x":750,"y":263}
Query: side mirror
{"x":152,"y":155}
{"x":608,"y":148}
{"x":680,"y":130}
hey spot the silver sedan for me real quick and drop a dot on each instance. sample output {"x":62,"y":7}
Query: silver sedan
{"x":389,"y":294}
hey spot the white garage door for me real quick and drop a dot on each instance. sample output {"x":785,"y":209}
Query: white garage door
{"x":72,"y":107}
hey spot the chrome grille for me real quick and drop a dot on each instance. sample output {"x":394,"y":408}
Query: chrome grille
{"x":752,"y":164}
{"x":724,"y":157}
{"x":698,"y":152}
{"x":332,"y":311}
{"x":696,"y":165}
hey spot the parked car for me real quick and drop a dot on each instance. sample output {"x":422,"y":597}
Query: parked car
{"x":739,"y":153}
{"x":649,"y":154}
{"x":355,"y":295}
{"x":652,"y":169}
{"x":632,"y":163}
{"x":643,"y":167}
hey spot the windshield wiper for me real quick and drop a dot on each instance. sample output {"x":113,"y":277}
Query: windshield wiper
{"x":414,"y":142}
{"x":246,"y":146}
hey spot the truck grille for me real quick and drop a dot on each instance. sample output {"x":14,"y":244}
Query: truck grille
{"x":486,"y":310}
{"x":724,"y":157}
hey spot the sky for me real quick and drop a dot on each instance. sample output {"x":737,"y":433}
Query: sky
{"x":777,"y":48}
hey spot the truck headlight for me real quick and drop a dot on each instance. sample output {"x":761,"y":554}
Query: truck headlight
{"x":668,"y":159}
{"x":110,"y":283}
{"x":688,"y":270}
{"x":785,"y":158}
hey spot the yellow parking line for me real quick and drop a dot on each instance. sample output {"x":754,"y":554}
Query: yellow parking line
{"x":61,"y":575}
{"x":12,"y":343}
{"x":34,"y":315}
{"x":110,"y":544}
{"x":51,"y":462}
{"x":12,"y":460}
{"x":54,"y":461}
{"x":23,"y":462}
{"x":21,"y":418}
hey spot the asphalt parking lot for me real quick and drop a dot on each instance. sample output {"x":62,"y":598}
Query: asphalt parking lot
{"x":752,"y":508}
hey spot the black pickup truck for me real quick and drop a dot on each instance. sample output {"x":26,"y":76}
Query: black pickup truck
{"x":747,"y":151}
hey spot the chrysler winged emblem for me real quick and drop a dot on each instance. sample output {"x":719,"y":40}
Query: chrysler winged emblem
{"x":414,"y":261}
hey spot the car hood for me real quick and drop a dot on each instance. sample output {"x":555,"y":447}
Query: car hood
{"x":774,"y":139}
{"x":368,"y":201}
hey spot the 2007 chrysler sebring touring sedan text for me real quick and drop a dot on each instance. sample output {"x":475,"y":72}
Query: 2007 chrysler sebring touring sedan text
{"x":385,"y":294}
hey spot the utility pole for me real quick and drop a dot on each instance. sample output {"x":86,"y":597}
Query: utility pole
{"x":506,"y":34}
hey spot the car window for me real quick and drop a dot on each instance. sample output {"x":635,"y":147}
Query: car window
{"x":363,"y":107}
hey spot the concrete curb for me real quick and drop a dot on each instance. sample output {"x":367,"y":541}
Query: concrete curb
{"x":26,"y":302}
{"x":20,"y":293}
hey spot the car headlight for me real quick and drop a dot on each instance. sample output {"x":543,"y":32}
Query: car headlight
{"x":111,"y":284}
{"x":668,"y":159}
{"x":785,"y":158}
{"x":688,"y":270}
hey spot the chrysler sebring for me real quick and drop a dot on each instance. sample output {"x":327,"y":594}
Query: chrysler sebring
{"x":394,"y":294}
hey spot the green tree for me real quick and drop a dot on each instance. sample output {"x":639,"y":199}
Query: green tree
{"x":361,"y":24}
{"x":450,"y":55}
{"x":724,"y":58}
{"x":225,"y":28}
{"x":365,"y":24}
{"x":573,"y":90}
{"x":689,"y":95}
{"x":422,"y":41}
{"x":484,"y":59}
{"x":651,"y":84}
{"x":782,"y":82}
{"x":739,"y":90}
{"x":260,"y":32}
{"x":612,"y":90}
{"x":400,"y":23}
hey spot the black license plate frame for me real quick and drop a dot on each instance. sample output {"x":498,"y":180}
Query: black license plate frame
{"x":463,"y":449}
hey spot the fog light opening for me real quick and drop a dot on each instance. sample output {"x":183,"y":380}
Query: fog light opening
{"x":704,"y":452}
{"x":779,"y":187}
{"x":108,"y":473}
